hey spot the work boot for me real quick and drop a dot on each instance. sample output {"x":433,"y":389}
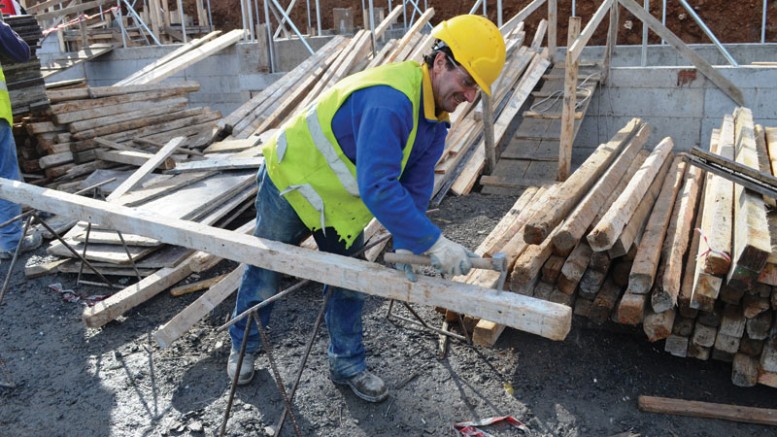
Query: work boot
{"x":246,"y":369}
{"x":30,"y":242}
{"x":365,"y":385}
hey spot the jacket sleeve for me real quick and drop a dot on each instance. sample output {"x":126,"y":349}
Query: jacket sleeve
{"x":381,"y":128}
{"x":12,"y":45}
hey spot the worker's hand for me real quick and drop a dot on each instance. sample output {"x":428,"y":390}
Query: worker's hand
{"x":450,"y":258}
{"x":409,"y":269}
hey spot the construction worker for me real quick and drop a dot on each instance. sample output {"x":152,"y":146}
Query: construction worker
{"x":13,"y":47}
{"x":367,"y":148}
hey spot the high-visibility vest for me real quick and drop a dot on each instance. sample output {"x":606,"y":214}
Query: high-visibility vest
{"x":5,"y":100}
{"x":306,"y":163}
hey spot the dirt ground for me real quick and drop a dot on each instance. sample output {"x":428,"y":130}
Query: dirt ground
{"x":731,"y":22}
{"x":58,"y":378}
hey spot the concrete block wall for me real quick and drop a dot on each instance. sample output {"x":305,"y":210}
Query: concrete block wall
{"x":679,"y":102}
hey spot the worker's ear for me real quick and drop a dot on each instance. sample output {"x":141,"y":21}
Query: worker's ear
{"x":439,"y":62}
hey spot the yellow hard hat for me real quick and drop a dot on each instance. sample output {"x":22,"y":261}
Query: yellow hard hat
{"x":476,"y":44}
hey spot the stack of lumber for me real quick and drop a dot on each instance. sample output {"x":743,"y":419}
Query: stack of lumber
{"x":640,"y":237}
{"x":114,"y":125}
{"x":24,"y":80}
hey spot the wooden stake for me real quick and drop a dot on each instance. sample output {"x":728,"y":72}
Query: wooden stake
{"x":735,"y":413}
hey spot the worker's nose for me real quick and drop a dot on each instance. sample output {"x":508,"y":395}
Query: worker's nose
{"x":470,"y":94}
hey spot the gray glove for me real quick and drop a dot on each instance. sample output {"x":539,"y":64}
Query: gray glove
{"x":409,"y":269}
{"x":450,"y":258}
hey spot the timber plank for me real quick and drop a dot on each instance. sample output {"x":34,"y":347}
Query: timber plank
{"x":736,"y":413}
{"x":665,"y":297}
{"x":189,"y":58}
{"x":645,"y":265}
{"x":718,"y":218}
{"x":752,"y":243}
{"x":632,"y":234}
{"x":543,"y":318}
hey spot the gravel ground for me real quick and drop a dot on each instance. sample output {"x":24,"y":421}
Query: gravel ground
{"x":59,"y":378}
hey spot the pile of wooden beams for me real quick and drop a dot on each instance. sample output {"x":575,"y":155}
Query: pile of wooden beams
{"x":24,"y":79}
{"x":641,"y":237}
{"x":114,"y":125}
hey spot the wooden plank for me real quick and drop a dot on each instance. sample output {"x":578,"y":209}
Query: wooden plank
{"x":543,"y":318}
{"x":118,"y":303}
{"x":604,"y":234}
{"x":701,"y":64}
{"x":218,"y":164}
{"x":764,"y":164}
{"x":658,"y":325}
{"x":579,"y":183}
{"x":55,"y":159}
{"x":193,"y":313}
{"x":717,"y":221}
{"x":665,"y":297}
{"x":44,"y":267}
{"x":570,"y":103}
{"x":162,"y":107}
{"x":132,"y":158}
{"x":189,"y":58}
{"x":604,"y":302}
{"x":76,"y":110}
{"x":752,"y":242}
{"x":521,"y":16}
{"x":580,"y":41}
{"x":158,"y":122}
{"x":574,"y":267}
{"x":646,"y":261}
{"x":150,"y":165}
{"x":232,"y":145}
{"x":185,"y":48}
{"x":709,"y":410}
{"x":184,"y":289}
{"x":631,"y":308}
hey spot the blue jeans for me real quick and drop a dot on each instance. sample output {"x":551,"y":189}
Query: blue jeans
{"x":9,"y":169}
{"x":276,"y":220}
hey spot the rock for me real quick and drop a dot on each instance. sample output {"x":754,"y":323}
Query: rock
{"x":196,"y":426}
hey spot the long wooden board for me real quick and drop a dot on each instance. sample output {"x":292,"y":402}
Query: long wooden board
{"x":547,"y":319}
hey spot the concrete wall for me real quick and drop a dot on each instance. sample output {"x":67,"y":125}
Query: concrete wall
{"x":665,"y":94}
{"x":678,"y":101}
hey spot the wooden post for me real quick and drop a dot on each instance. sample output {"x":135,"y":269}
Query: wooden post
{"x":155,"y":17}
{"x":552,"y":27}
{"x":488,"y":133}
{"x":570,"y":101}
{"x":612,"y":41}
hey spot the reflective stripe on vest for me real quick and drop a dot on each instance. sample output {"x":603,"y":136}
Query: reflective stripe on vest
{"x":309,"y":167}
{"x":5,"y":100}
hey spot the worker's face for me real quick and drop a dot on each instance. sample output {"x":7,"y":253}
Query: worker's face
{"x":451,"y":85}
